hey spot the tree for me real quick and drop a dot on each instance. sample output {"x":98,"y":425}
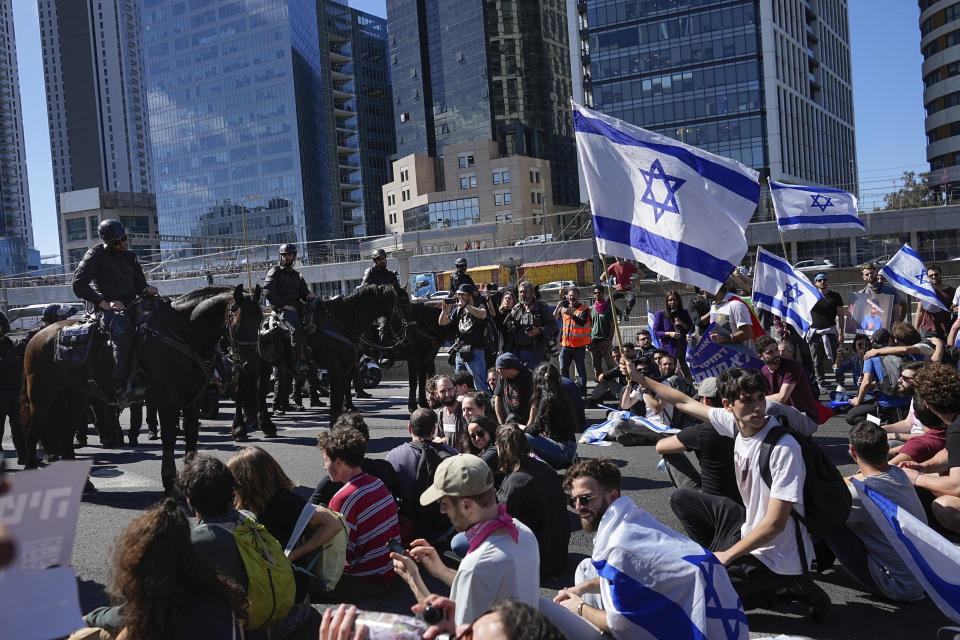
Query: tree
{"x":914,"y":193}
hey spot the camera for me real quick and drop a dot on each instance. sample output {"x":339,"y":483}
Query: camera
{"x":564,"y":303}
{"x":450,"y":300}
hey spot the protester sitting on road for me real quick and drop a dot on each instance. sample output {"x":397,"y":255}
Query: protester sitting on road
{"x":208,"y":487}
{"x":754,"y":542}
{"x":511,"y":398}
{"x":910,"y":425}
{"x":644,"y":548}
{"x":861,"y":547}
{"x":788,"y":351}
{"x":368,"y":510}
{"x":532,"y":490}
{"x":503,"y":561}
{"x":551,"y":427}
{"x":406,"y":458}
{"x":450,"y":416}
{"x":786,"y":379}
{"x":483,"y":434}
{"x":852,"y":363}
{"x":476,"y":403}
{"x":906,"y":341}
{"x":644,"y":343}
{"x":262,"y":488}
{"x":919,"y":447}
{"x":493,"y":377}
{"x":884,"y":371}
{"x":378,"y":468}
{"x":462,"y":383}
{"x":195,"y":601}
{"x":430,"y":388}
{"x":610,"y":383}
{"x":714,"y":453}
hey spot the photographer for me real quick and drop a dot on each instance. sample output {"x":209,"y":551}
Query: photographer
{"x":529,"y":326}
{"x":471,"y":324}
{"x":574,"y":336}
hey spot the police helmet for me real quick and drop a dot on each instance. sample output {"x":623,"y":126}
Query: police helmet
{"x":111,"y":231}
{"x":66,"y":311}
{"x":288,"y":248}
{"x":51,"y":313}
{"x":461,"y":263}
{"x":378,"y":253}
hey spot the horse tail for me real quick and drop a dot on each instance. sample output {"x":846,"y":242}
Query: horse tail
{"x":25,"y":411}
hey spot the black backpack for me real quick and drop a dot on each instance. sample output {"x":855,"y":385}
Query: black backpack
{"x":428,"y":520}
{"x":826,"y":498}
{"x":892,"y":366}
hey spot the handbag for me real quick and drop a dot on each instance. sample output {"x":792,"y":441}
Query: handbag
{"x":324,"y":566}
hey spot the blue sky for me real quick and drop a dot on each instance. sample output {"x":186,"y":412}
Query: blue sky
{"x":887,"y":86}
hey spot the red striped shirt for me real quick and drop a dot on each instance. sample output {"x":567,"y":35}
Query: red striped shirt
{"x":371,"y":515}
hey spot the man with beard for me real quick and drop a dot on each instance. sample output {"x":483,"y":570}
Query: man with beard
{"x":786,"y":379}
{"x":640,"y":563}
{"x":529,"y":325}
{"x":511,"y":398}
{"x":450,"y":416}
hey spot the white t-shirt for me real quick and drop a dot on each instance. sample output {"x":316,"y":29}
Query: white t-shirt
{"x":730,"y":315}
{"x":496,"y":570}
{"x":916,"y":427}
{"x":787,"y":474}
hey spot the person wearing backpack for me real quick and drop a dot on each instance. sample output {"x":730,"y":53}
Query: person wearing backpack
{"x":766,"y":555}
{"x":416,"y":462}
{"x":237,"y":546}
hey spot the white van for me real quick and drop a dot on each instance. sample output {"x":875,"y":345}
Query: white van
{"x":538,"y":239}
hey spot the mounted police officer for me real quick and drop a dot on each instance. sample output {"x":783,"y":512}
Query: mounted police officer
{"x":110,"y":277}
{"x":460,"y":277}
{"x":379,"y":274}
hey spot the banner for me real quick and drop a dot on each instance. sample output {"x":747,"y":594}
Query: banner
{"x":708,"y":359}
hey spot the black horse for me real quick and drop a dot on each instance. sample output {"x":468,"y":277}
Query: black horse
{"x":174,"y":348}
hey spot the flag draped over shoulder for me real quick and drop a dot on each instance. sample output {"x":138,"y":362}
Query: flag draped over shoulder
{"x":802,"y":207}
{"x":906,"y":272}
{"x":678,"y":209}
{"x":932,"y":559}
{"x":783,"y":291}
{"x":660,"y":584}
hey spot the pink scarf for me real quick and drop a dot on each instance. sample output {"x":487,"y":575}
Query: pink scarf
{"x":599,"y":306}
{"x":480,"y":531}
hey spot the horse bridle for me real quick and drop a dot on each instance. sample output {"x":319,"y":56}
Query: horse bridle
{"x":236,"y":344}
{"x":401,"y":334}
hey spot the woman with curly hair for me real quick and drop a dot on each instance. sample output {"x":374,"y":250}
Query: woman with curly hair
{"x":163,"y":589}
{"x":551,"y":429}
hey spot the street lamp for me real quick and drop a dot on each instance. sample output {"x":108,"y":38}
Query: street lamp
{"x":246,"y":247}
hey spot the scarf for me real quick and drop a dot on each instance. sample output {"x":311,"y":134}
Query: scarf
{"x":600,"y":306}
{"x":480,"y":531}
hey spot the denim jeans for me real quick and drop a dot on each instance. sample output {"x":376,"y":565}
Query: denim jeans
{"x":558,"y":455}
{"x":852,"y":555}
{"x":477,"y":366}
{"x":528,"y":357}
{"x":577,"y":356}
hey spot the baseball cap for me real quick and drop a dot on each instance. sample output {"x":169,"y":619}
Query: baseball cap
{"x":507,"y":360}
{"x":708,"y":388}
{"x":465,"y":288}
{"x":459,"y":476}
{"x":820,"y":275}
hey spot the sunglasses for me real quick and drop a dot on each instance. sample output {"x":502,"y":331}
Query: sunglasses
{"x":902,"y":377}
{"x":578,"y":500}
{"x":476,"y":435}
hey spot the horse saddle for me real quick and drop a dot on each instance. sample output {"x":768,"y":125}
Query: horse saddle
{"x":75,"y":342}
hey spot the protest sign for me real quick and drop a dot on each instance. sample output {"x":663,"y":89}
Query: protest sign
{"x":708,"y":358}
{"x":867,"y":313}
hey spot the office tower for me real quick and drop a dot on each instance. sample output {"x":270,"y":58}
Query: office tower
{"x":82,"y":211}
{"x":940,"y":45}
{"x":16,"y":226}
{"x":96,"y":99}
{"x":473,"y":70}
{"x":766,"y":83}
{"x":358,"y":106}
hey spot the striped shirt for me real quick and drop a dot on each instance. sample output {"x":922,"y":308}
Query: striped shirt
{"x":371,"y":515}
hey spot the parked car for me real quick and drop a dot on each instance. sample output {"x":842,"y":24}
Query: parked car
{"x":814,"y":265}
{"x":537,"y":239}
{"x":557,"y":285}
{"x":882,"y":260}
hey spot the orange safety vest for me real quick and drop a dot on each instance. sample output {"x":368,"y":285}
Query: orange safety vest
{"x":573,"y":335}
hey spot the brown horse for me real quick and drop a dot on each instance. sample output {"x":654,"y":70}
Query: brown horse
{"x":174,"y":348}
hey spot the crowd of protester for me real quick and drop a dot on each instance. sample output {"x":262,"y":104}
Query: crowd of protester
{"x":478,"y":497}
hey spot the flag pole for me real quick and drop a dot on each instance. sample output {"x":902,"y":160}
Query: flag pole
{"x":606,"y":280}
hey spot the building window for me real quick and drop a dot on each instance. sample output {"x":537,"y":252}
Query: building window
{"x":505,"y":177}
{"x":496,"y":178}
{"x":464,"y":182}
{"x":403,"y":116}
{"x":404,"y":175}
{"x":534,"y":176}
{"x":507,"y":198}
{"x":536,"y":197}
{"x":94,"y":223}
{"x":467,"y":161}
{"x":498,"y":199}
{"x":473,"y":182}
{"x":76,"y":229}
{"x":391,"y":198}
{"x":405,"y":194}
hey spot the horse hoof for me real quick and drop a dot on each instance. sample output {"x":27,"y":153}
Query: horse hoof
{"x":134,"y":442}
{"x":241,"y":436}
{"x":270,"y":434}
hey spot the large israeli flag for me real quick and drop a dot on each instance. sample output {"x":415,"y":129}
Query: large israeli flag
{"x":932,"y":559}
{"x":657,"y":583}
{"x":678,"y":209}
{"x":783,"y":291}
{"x":906,"y":272}
{"x":801,"y":207}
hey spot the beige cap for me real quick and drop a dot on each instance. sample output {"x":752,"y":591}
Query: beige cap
{"x":459,"y":476}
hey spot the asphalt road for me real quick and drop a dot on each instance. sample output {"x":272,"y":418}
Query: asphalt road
{"x":128,"y":480}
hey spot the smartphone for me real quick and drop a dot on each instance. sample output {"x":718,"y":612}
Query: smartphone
{"x":395,"y":546}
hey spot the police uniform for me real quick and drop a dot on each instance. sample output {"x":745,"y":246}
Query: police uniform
{"x":284,"y":286}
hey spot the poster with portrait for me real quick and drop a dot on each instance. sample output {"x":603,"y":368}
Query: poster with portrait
{"x":867,"y":313}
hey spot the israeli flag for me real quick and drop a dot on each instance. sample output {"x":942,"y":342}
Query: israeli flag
{"x":907,"y":272}
{"x":681,"y":211}
{"x":653,"y":339}
{"x":932,"y":559}
{"x":657,"y":583}
{"x":800,"y":207}
{"x":783,"y":291}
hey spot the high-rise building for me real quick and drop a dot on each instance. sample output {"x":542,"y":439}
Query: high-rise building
{"x":766,"y":83}
{"x":940,"y":45}
{"x":473,"y":70}
{"x":96,"y":98}
{"x":16,"y":224}
{"x":358,"y":105}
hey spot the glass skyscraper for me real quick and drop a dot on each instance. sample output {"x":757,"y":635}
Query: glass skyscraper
{"x":766,"y":83}
{"x":476,"y":69}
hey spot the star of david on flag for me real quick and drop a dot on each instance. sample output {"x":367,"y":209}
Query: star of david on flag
{"x":657,"y":583}
{"x":906,"y":271}
{"x":803,"y":207}
{"x":681,"y":211}
{"x":783,"y":291}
